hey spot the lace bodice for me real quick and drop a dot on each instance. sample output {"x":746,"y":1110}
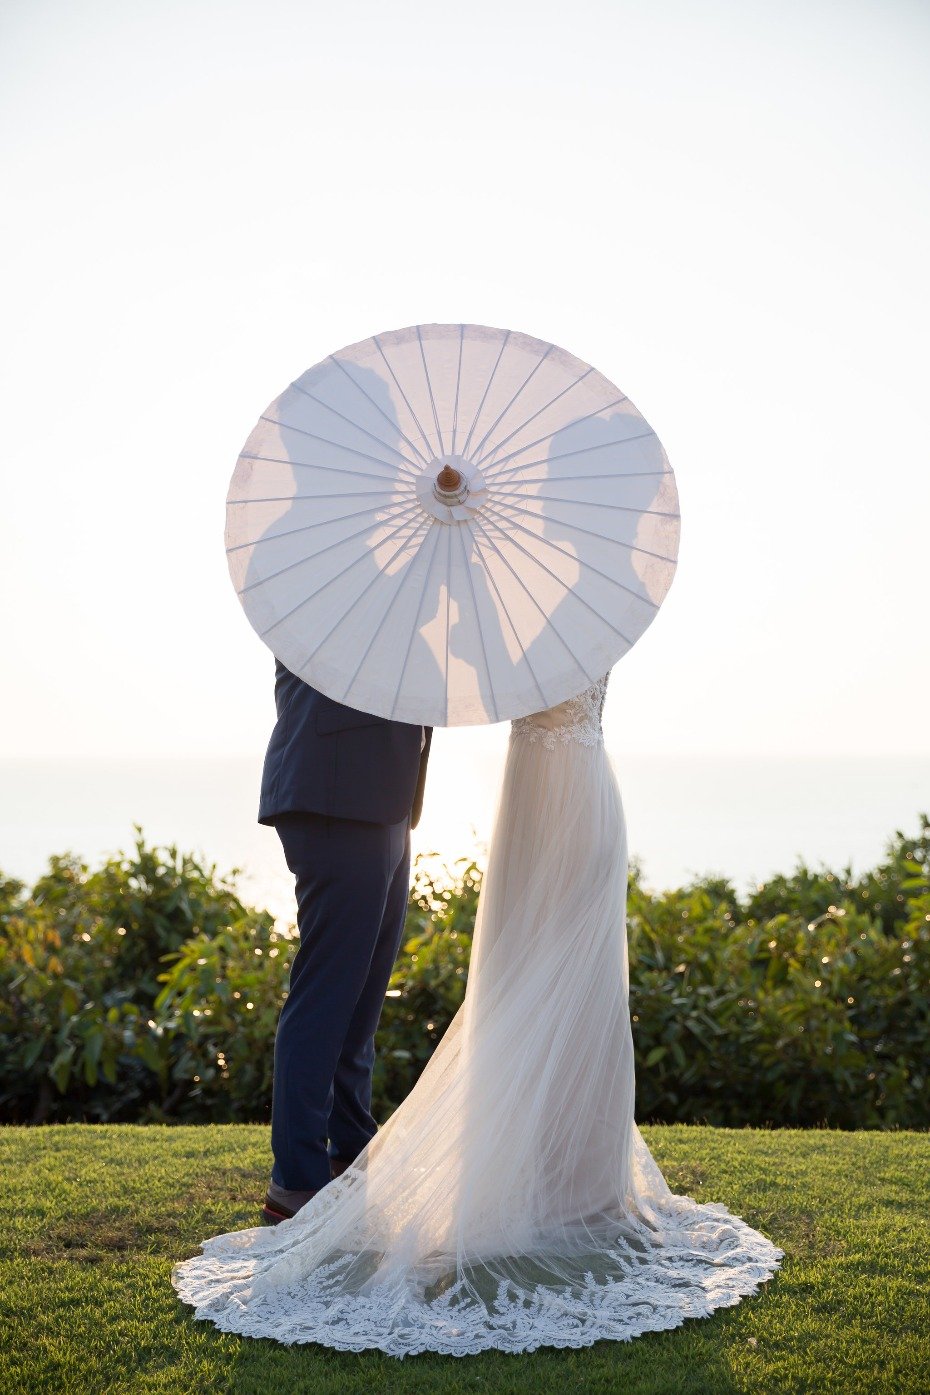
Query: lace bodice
{"x":576,"y":719}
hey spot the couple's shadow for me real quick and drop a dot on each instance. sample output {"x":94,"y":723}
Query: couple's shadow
{"x":496,"y":606}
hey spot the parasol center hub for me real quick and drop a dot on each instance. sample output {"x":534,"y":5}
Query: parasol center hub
{"x":450,"y":488}
{"x":450,"y":485}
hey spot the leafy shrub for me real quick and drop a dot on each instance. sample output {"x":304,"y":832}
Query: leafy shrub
{"x":215,"y":1019}
{"x":784,"y":1021}
{"x":80,"y":963}
{"x":147,"y":990}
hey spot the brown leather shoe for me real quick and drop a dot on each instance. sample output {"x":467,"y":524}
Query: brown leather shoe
{"x":281,"y":1203}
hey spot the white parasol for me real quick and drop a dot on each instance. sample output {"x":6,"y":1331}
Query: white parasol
{"x":451,"y":524}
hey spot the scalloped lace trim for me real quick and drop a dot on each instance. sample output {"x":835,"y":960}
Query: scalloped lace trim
{"x":703,"y":1259}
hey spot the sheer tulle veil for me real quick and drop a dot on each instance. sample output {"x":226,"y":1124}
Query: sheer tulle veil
{"x":511,"y":1201}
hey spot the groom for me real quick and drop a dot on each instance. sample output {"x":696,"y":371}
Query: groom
{"x":343,"y":789}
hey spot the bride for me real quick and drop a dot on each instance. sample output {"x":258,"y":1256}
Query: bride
{"x":511,"y":1201}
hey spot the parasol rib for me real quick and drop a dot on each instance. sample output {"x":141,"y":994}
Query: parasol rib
{"x":546,"y":618}
{"x":616,"y":542}
{"x":474,"y":601}
{"x":458,"y":380}
{"x":569,"y":454}
{"x":429,"y":389}
{"x":324,"y":441}
{"x":377,"y":342}
{"x":588,"y":566}
{"x":504,"y":611}
{"x":413,"y":524}
{"x":317,"y":523}
{"x":416,"y":619}
{"x":411,"y":508}
{"x":570,"y":590}
{"x":486,"y":391}
{"x":493,"y":469}
{"x":344,"y":614}
{"x":290,"y":498}
{"x":448,"y":615}
{"x":429,"y":523}
{"x":390,"y":420}
{"x":581,"y":503}
{"x":356,"y":426}
{"x":536,"y":414}
{"x":535,"y":369}
{"x":605,"y":475}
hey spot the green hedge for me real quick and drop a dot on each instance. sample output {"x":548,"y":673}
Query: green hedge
{"x":146,"y":990}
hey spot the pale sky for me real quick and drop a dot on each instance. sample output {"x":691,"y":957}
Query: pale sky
{"x":722,"y":206}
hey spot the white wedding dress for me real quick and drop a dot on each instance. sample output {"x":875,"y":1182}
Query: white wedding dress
{"x":510,"y":1202}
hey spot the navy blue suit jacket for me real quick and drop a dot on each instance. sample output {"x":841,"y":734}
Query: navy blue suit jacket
{"x":326,"y":758}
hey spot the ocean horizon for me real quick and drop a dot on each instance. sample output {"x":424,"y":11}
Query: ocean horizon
{"x":745,"y":818}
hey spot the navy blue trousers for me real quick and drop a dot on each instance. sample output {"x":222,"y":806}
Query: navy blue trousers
{"x":352,"y":884}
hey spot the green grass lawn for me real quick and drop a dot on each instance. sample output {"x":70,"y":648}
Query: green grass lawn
{"x":95,"y":1215}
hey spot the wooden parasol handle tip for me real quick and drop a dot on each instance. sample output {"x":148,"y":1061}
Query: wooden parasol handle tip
{"x":449,"y":479}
